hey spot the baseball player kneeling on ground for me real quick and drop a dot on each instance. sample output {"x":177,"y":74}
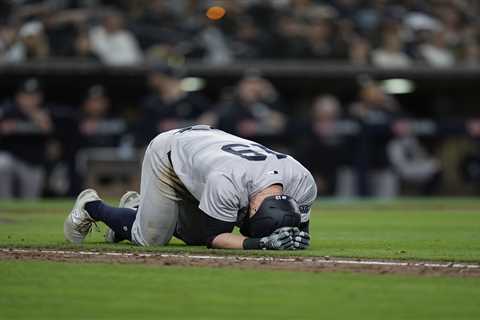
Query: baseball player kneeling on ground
{"x":197,"y":184}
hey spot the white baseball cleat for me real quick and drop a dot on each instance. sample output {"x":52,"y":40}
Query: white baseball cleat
{"x":79,"y":223}
{"x":131,"y":199}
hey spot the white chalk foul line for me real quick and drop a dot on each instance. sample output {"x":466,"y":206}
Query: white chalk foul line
{"x":319,"y":260}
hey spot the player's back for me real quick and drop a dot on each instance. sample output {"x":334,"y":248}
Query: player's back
{"x":200,"y":152}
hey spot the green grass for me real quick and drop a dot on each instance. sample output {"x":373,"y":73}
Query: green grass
{"x":47,"y":290}
{"x":439,"y":229}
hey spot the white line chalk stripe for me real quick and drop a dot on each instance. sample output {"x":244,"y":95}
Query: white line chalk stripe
{"x":319,"y":260}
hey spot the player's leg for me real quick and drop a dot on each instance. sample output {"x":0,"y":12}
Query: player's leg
{"x":191,"y":226}
{"x":148,"y":219}
{"x":88,"y":209}
{"x":159,"y":201}
{"x":130,"y":199}
{"x":153,"y":222}
{"x":119,"y":220}
{"x":155,"y":219}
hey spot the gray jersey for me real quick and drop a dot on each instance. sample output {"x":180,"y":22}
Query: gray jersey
{"x":223,"y":171}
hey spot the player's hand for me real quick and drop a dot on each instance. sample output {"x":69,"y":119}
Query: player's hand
{"x":281,"y":240}
{"x":301,"y":239}
{"x":290,"y":230}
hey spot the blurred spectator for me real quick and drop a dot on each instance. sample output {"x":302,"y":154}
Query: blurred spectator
{"x":25,"y":126}
{"x":390,"y":54}
{"x":62,"y":27}
{"x":435,"y":51}
{"x":250,"y":42}
{"x":101,"y":134}
{"x":97,"y":126}
{"x":471,"y":54}
{"x":215,"y":45}
{"x":411,"y":161}
{"x":322,"y":147}
{"x":83,"y":48}
{"x":255,"y":111}
{"x":359,"y":52}
{"x":156,"y":24}
{"x":8,"y":53}
{"x":170,"y":106}
{"x":375,"y":110}
{"x":114,"y":44}
{"x":289,"y":30}
{"x":343,"y":39}
{"x":320,"y":43}
{"x":30,"y":43}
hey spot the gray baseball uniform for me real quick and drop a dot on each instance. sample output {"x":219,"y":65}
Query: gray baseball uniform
{"x":205,"y":169}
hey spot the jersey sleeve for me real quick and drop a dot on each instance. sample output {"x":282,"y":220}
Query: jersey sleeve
{"x":305,"y":205}
{"x":220,"y":199}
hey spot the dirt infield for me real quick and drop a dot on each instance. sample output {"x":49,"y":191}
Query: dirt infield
{"x":320,"y":264}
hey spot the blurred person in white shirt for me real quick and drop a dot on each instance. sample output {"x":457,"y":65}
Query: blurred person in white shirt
{"x":436,"y":52}
{"x":29,"y":43}
{"x":113,"y":43}
{"x":390,"y":54}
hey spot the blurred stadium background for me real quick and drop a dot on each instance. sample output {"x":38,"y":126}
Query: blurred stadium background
{"x":377,"y":98}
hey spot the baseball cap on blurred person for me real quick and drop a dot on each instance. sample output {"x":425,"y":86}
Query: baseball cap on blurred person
{"x":166,"y":70}
{"x":30,"y":86}
{"x":419,"y":21}
{"x":96,"y":91}
{"x":252,"y":73}
{"x":96,"y":103}
{"x":31,"y":28}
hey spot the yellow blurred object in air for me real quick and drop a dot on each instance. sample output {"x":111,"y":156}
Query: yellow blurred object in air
{"x":215,"y":13}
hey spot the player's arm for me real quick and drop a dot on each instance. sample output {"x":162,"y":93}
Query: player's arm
{"x":220,"y":199}
{"x":228,"y":241}
{"x":218,"y":235}
{"x":279,"y":240}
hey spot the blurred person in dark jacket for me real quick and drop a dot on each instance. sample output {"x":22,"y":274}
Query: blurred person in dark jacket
{"x":411,"y":161}
{"x":321,"y":149}
{"x":25,"y":128}
{"x":290,"y":30}
{"x":256,"y":110}
{"x":82,"y":48}
{"x":170,"y":106}
{"x":157,"y":23}
{"x":320,"y":39}
{"x":99,"y":131}
{"x":375,"y":110}
{"x":97,"y":127}
{"x":251,"y":42}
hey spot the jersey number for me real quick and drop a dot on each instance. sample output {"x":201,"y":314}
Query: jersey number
{"x":247,"y":151}
{"x":199,"y":127}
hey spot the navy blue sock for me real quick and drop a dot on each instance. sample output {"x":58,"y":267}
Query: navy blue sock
{"x":120,"y":220}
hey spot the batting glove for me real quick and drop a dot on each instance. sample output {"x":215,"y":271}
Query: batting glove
{"x":281,"y":240}
{"x":301,"y":239}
